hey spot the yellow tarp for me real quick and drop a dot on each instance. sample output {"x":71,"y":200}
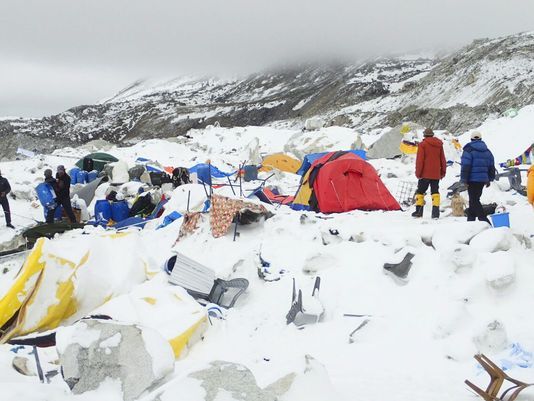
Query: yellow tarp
{"x":280,"y":161}
{"x":305,"y":191}
{"x":24,"y":284}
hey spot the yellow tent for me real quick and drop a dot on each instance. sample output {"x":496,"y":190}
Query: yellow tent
{"x":280,"y":161}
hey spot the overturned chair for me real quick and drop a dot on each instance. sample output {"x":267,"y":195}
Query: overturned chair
{"x":312,"y":313}
{"x":497,"y":379}
{"x":202,"y":284}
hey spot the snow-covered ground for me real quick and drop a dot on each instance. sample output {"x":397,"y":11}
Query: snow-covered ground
{"x":422,"y":332}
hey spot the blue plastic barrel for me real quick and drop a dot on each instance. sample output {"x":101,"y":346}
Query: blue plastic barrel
{"x":92,"y":175}
{"x":204,"y":174}
{"x":120,"y":211}
{"x":73,"y":173}
{"x":500,"y":219}
{"x":82,"y":177}
{"x":102,"y":210}
{"x":46,"y":195}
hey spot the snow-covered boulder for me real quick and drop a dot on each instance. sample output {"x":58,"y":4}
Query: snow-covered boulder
{"x":313,"y":384}
{"x":231,"y":381}
{"x":461,"y":257}
{"x":325,"y":140}
{"x":314,"y":123}
{"x":448,"y":236}
{"x":492,"y":338}
{"x":499,"y":268}
{"x":497,"y":239}
{"x":93,"y":351}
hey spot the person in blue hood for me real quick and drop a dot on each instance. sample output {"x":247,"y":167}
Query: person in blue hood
{"x":478,"y":170}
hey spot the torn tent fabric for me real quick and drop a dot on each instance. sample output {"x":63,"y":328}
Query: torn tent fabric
{"x":166,"y":308}
{"x":64,"y":280}
{"x":214,"y":171}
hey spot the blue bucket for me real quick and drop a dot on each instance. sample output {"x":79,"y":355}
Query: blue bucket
{"x":500,"y":219}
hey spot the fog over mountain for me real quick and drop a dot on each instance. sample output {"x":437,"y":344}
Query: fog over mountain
{"x":59,"y":53}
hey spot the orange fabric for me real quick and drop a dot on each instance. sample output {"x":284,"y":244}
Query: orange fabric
{"x":430,"y":162}
{"x":530,"y":185}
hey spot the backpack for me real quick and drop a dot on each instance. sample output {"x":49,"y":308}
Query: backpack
{"x":180,"y":176}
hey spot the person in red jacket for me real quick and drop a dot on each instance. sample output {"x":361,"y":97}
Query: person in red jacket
{"x":430,"y":167}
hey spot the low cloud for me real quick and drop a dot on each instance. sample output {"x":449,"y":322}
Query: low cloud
{"x":55,"y":54}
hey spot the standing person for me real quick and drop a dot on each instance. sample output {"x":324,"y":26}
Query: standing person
{"x":61,"y":186}
{"x":63,"y":192}
{"x":478,"y":170}
{"x":5,"y":189}
{"x":430,"y":167}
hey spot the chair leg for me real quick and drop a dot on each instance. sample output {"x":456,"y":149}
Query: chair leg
{"x":480,"y":392}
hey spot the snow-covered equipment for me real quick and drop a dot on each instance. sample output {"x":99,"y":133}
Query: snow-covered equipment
{"x":497,"y":380}
{"x":200,"y":281}
{"x":62,"y":281}
{"x":302,"y":315}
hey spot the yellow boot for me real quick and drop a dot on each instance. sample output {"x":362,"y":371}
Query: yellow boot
{"x":436,"y":200}
{"x":419,"y":203}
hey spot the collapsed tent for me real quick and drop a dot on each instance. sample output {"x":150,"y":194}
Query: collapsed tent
{"x":63,"y":281}
{"x":86,"y":192}
{"x":396,"y":142}
{"x":280,"y":161}
{"x":166,"y":308}
{"x":99,"y":160}
{"x":340,"y":182}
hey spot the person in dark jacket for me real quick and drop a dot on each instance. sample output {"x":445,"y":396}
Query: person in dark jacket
{"x":430,"y":168}
{"x":5,"y":189}
{"x":61,"y":186}
{"x":478,"y":170}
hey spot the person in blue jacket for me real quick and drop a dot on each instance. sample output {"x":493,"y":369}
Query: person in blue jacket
{"x":478,"y":170}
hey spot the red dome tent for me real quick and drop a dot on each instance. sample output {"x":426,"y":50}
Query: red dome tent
{"x":342,"y":181}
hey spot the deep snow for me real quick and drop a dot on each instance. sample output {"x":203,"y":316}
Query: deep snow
{"x":422,"y":332}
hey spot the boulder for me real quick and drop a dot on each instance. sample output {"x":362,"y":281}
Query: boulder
{"x":499,"y":268}
{"x":492,"y":339}
{"x":237,"y":381}
{"x":314,"y":123}
{"x":92,"y":351}
{"x":498,"y":239}
{"x":448,"y":236}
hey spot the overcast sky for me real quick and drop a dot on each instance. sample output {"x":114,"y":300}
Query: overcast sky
{"x":55,"y":54}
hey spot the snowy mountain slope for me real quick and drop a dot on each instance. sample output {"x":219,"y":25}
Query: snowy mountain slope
{"x":456,"y":93}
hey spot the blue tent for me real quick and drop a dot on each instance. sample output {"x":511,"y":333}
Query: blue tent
{"x":215,"y":172}
{"x":309,"y":159}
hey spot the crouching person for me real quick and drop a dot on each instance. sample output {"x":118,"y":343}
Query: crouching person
{"x":430,"y":168}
